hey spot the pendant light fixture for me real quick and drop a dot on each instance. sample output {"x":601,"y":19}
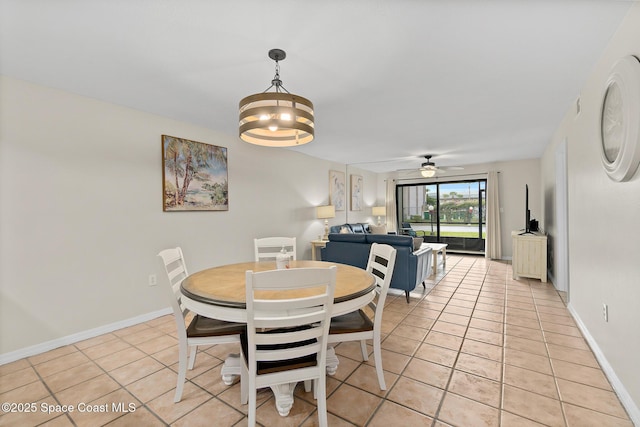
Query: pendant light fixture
{"x":276,"y":119}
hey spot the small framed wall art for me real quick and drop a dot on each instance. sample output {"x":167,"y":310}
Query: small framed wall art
{"x":356,"y":192}
{"x":194,"y":176}
{"x":337,"y":190}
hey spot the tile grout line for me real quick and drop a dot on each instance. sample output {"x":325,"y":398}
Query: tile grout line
{"x":446,"y":387}
{"x":46,"y":386}
{"x":530,"y":291}
{"x":553,"y":370}
{"x":411,"y":357}
{"x":123,"y":387}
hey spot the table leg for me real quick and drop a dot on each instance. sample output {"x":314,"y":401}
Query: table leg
{"x":332,"y":361}
{"x":283,"y":393}
{"x":444,"y":258}
{"x":284,"y":397}
{"x":231,"y":369}
{"x":435,"y":262}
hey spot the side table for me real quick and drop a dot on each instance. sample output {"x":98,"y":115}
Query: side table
{"x":438,"y":248}
{"x":315,"y":244}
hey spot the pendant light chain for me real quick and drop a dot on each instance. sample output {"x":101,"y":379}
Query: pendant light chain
{"x":276,"y":80}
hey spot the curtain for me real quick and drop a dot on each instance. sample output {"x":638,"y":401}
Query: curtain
{"x":392,"y":222}
{"x":493,"y":249}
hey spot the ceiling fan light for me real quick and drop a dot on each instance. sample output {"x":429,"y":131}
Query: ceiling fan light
{"x":428,"y":173}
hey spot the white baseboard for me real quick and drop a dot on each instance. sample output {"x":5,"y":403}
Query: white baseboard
{"x":551,"y":278}
{"x":625,"y":398}
{"x":80,"y":336}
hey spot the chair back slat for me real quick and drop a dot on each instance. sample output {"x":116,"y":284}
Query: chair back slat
{"x":293,"y":325}
{"x":289,"y":321}
{"x":287,"y":353}
{"x":286,"y":337}
{"x":382,"y":260}
{"x":176,"y":269}
{"x":298,"y":303}
{"x":177,"y":274}
{"x":267,"y":248}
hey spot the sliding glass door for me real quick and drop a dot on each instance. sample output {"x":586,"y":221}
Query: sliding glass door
{"x":445,"y":212}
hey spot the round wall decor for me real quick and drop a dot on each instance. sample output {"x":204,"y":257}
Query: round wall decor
{"x":620,"y":120}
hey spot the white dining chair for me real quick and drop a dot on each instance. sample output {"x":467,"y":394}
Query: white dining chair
{"x":201,"y":330}
{"x":357,"y":325}
{"x":286,"y":338}
{"x":267,"y":248}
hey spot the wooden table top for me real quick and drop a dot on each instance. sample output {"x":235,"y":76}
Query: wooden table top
{"x":225,"y":285}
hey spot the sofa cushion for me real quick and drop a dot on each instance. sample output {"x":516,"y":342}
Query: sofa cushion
{"x":378,"y":229}
{"x":390,"y":239}
{"x":351,"y":238}
{"x":359,"y":228}
{"x":417,"y":242}
{"x":351,"y":228}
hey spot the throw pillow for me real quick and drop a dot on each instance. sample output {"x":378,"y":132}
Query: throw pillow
{"x":417,"y":242}
{"x":344,"y":230}
{"x":378,"y":229}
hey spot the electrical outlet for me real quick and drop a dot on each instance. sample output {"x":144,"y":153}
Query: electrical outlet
{"x":153,"y":280}
{"x":605,"y":312}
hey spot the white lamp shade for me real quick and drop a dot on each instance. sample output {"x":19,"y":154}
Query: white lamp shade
{"x":324,"y":212}
{"x":379,"y":211}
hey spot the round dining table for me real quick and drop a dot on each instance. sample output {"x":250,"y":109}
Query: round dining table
{"x":220,"y":293}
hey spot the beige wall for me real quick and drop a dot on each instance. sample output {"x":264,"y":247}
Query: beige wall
{"x":604,"y":228}
{"x":82,"y":220}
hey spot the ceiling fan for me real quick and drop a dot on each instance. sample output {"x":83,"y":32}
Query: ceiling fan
{"x":429,"y":169}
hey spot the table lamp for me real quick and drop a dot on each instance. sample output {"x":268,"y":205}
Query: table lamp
{"x":326,"y":212}
{"x":379,"y":211}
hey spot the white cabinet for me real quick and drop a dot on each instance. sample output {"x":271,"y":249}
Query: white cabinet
{"x":529,"y":255}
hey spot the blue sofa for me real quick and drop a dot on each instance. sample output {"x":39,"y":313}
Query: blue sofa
{"x":411,"y":269}
{"x":356,"y":227}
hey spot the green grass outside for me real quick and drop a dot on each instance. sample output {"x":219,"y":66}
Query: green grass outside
{"x":469,"y":234}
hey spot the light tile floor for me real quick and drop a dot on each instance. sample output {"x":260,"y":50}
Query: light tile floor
{"x":480,"y":349}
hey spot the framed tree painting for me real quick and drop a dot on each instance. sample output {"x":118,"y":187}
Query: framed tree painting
{"x":356,"y":192}
{"x":194,"y":176}
{"x":337,"y":190}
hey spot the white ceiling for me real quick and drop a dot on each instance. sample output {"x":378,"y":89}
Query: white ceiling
{"x":469,"y":81}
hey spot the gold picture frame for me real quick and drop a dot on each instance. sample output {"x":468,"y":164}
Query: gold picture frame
{"x":194,"y":176}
